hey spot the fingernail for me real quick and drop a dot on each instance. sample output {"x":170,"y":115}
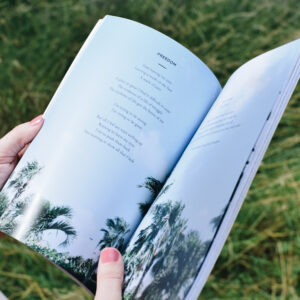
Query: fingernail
{"x":37,"y":120}
{"x":109,"y":255}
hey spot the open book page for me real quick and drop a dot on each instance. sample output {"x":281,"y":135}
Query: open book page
{"x":115,"y":128}
{"x":174,"y":244}
{"x":288,"y":69}
{"x":2,"y":297}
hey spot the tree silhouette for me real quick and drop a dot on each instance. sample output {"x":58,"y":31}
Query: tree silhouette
{"x":3,"y":203}
{"x":133,"y":265}
{"x":23,"y":178}
{"x":166,"y":223}
{"x":18,"y":184}
{"x":114,"y":234}
{"x":154,"y":186}
{"x":75,"y":265}
{"x":165,"y":252}
{"x":6,"y":227}
{"x":174,"y":271}
{"x":50,"y":218}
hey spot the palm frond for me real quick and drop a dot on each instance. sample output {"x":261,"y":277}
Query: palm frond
{"x":64,"y":227}
{"x":153,"y":185}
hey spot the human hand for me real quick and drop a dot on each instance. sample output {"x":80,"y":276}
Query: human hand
{"x":110,"y":275}
{"x":14,"y":144}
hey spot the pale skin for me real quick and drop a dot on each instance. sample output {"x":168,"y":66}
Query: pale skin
{"x":12,"y":146}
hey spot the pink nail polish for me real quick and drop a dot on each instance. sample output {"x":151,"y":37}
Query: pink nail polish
{"x":37,"y":120}
{"x":109,"y":255}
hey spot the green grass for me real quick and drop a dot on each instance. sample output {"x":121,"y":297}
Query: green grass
{"x":24,"y":275}
{"x":38,"y":41}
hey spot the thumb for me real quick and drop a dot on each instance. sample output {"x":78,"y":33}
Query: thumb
{"x":110,"y":275}
{"x":15,"y":141}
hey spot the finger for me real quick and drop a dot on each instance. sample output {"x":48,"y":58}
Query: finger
{"x":15,"y":141}
{"x":110,"y":275}
{"x":21,"y":153}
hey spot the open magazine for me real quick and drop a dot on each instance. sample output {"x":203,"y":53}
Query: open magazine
{"x":143,"y":150}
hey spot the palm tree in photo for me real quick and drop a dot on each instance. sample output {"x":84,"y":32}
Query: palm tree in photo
{"x":133,"y":265}
{"x":165,"y":221}
{"x":114,"y":234}
{"x":3,"y":203}
{"x":51,"y":218}
{"x":156,"y":188}
{"x":153,"y":186}
{"x":146,"y":237}
{"x":18,"y":184}
{"x":174,"y":272}
{"x":6,"y":227}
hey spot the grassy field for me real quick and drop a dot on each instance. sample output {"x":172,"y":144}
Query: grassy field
{"x":38,"y":41}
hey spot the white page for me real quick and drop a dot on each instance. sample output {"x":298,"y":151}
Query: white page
{"x":203,"y":181}
{"x":2,"y":296}
{"x":246,"y":179}
{"x":125,"y":111}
